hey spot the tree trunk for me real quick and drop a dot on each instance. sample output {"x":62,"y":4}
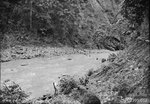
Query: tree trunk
{"x":30,"y":14}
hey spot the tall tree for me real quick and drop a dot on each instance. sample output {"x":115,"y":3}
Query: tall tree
{"x":31,"y":14}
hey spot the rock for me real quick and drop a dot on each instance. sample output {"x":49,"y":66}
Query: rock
{"x":69,"y":59}
{"x":90,"y":99}
{"x":103,"y":60}
{"x":24,"y":64}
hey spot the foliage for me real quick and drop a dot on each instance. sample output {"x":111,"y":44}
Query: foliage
{"x":135,"y":10}
{"x":7,"y":7}
{"x":84,"y":80}
{"x":68,"y":22}
{"x":88,"y":23}
{"x":124,"y":76}
{"x":52,"y":18}
{"x":137,"y":13}
{"x":67,"y":84}
{"x":112,"y":57}
{"x":108,"y":42}
{"x":72,"y":22}
{"x":12,"y":93}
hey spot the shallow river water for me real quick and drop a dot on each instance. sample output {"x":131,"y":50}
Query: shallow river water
{"x":36,"y":75}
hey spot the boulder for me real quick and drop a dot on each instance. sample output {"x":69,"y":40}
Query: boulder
{"x":90,"y":99}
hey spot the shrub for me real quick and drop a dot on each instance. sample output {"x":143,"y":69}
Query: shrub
{"x":84,"y":80}
{"x":11,"y":93}
{"x":112,"y":57}
{"x":66,"y":84}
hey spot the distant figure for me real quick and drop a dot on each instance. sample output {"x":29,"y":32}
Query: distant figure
{"x":90,"y":99}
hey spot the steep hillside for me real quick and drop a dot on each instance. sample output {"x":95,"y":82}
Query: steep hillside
{"x":126,"y":75}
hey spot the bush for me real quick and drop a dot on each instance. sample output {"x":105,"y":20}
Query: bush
{"x":84,"y":80}
{"x":66,"y":84}
{"x":112,"y":57}
{"x":11,"y":93}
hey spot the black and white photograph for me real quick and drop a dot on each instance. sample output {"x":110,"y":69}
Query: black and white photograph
{"x":74,"y":52}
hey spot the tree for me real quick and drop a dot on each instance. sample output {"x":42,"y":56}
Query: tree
{"x":136,"y":10}
{"x":30,"y":14}
{"x":110,"y":10}
{"x":6,"y":9}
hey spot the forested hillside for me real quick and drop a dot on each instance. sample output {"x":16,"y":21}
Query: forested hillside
{"x":116,"y":25}
{"x":80,"y":23}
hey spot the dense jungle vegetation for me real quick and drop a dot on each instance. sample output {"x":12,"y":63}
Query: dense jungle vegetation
{"x":79,"y":23}
{"x":116,"y":25}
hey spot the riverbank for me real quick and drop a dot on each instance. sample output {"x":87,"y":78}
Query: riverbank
{"x":36,"y":75}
